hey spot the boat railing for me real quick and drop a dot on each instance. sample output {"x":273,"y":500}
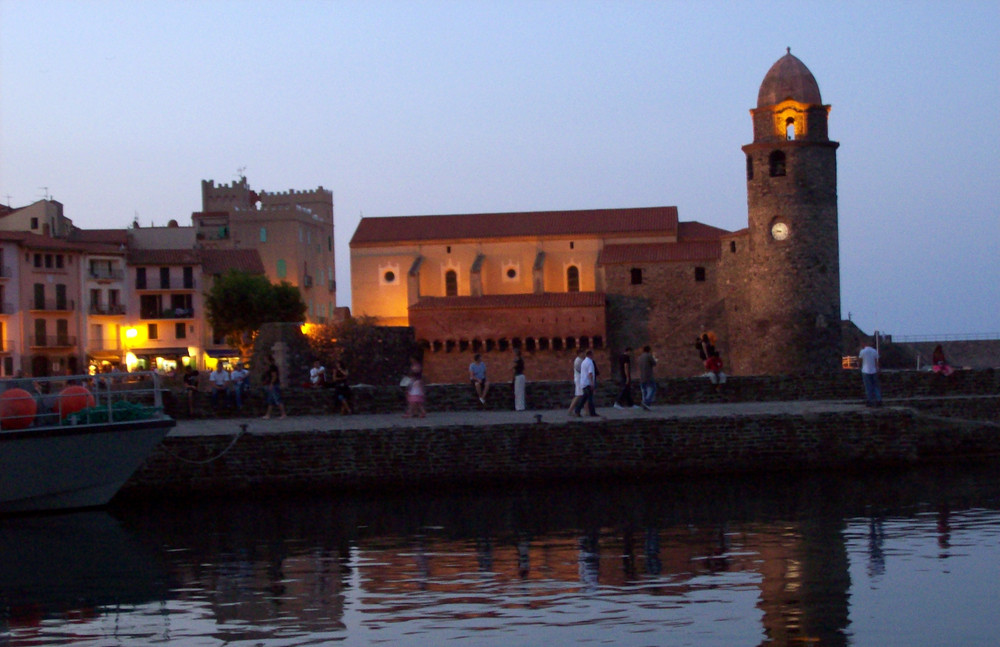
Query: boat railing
{"x":35,"y":402}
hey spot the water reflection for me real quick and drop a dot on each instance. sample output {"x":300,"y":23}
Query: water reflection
{"x":774,"y":561}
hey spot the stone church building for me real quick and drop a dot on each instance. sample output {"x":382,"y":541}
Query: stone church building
{"x":550,"y":282}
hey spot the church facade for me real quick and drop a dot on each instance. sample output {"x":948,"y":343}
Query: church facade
{"x":551,"y":282}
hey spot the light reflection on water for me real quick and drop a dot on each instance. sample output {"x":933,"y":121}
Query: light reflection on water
{"x":907,"y":559}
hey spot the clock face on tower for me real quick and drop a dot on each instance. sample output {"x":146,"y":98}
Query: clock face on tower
{"x":779,"y":231}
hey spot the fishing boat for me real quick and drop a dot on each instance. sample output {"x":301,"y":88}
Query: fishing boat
{"x":72,"y":442}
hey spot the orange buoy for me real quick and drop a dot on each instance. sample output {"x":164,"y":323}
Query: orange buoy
{"x":74,"y":398}
{"x":17,"y":409}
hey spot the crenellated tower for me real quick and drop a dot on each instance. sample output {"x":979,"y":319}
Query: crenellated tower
{"x":791,"y":321}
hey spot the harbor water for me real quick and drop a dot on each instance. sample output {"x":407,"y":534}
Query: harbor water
{"x":902,"y":558}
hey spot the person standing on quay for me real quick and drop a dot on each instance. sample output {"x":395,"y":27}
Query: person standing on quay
{"x":272,"y":387}
{"x":577,"y":387}
{"x":588,"y":380}
{"x":519,"y":380}
{"x":868,"y":358}
{"x":647,"y":382}
{"x":624,"y":400}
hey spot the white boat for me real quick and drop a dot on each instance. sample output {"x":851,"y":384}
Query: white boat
{"x":62,"y":455}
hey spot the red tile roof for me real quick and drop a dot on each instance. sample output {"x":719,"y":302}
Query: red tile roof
{"x":32,"y":240}
{"x":660,"y":252}
{"x":607,"y":222}
{"x":544,"y":300}
{"x":220,"y":261}
{"x":694,"y":230}
{"x":104,"y":236}
{"x":212,"y":261}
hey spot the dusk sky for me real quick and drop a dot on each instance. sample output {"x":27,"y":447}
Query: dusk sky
{"x":411,"y":108}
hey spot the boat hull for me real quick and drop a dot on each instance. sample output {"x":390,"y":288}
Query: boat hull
{"x":73,"y":466}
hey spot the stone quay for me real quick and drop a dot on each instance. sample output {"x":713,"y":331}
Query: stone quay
{"x":757,"y":424}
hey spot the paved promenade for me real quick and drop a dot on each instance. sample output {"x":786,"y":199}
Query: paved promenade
{"x":293,"y":423}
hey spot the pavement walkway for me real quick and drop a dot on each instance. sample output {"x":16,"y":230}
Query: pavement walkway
{"x":487,"y":417}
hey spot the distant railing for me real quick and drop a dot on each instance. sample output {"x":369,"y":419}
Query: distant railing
{"x":52,"y":341}
{"x":58,"y":305}
{"x":975,"y":336}
{"x":176,"y":313}
{"x":107,"y":275}
{"x":105,"y":309}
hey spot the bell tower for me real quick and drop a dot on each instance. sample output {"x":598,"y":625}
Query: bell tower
{"x":792,"y":318}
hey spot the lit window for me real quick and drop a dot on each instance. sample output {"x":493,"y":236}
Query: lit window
{"x":573,"y":279}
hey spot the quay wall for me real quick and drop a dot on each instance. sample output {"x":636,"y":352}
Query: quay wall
{"x":637,"y":447}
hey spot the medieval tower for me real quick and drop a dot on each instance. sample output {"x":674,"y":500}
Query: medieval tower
{"x":790,"y":311}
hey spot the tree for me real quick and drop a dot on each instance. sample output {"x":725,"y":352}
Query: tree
{"x":372,"y":354}
{"x":239,"y":303}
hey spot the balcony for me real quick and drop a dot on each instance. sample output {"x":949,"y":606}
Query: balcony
{"x":105,"y":309}
{"x":52,"y":305}
{"x":7,"y":309}
{"x":99,"y":274}
{"x":103,"y":344}
{"x":170,"y":313}
{"x":52,"y":341}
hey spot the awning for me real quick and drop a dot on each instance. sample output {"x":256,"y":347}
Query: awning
{"x":113,"y":355}
{"x":161,"y":352}
{"x":220,"y":353}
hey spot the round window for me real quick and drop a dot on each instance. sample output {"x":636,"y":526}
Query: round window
{"x":511,"y":273}
{"x":389,"y":276}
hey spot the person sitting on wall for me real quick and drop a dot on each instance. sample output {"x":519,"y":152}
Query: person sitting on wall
{"x":714,"y":367}
{"x":190,"y":386}
{"x":939,"y":364}
{"x":317,"y":375}
{"x":220,"y":385}
{"x":477,"y":375}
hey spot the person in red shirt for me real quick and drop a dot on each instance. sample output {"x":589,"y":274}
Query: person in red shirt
{"x":714,"y":367}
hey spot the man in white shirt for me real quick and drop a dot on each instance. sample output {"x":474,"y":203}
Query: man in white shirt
{"x":868,"y":358}
{"x":219,"y":379}
{"x":317,"y":375}
{"x":588,"y":380}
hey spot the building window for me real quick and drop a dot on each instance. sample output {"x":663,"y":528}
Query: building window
{"x":790,"y":128}
{"x":572,"y":278}
{"x":777,"y":164}
{"x":140,"y":278}
{"x":448,"y":248}
{"x":263,"y":234}
{"x":749,"y":168}
{"x":180,"y":331}
{"x":282,"y":268}
{"x":34,"y":223}
{"x":48,"y":261}
{"x":636,"y":276}
{"x":164,"y":278}
{"x":152,"y":332}
{"x":571,"y":244}
{"x":59,"y":261}
{"x":38,"y":260}
{"x":189,"y":278}
{"x":732,"y":246}
{"x":389,"y":276}
{"x":699,"y":274}
{"x":451,"y":283}
{"x":39,"y":296}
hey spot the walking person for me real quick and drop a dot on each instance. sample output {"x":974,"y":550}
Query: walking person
{"x":272,"y":387}
{"x":577,"y":388}
{"x":624,"y":400}
{"x":868,"y":358}
{"x":588,"y":381}
{"x":477,"y":375}
{"x":415,"y":390}
{"x":520,"y":381}
{"x":341,"y":389}
{"x":647,"y":381}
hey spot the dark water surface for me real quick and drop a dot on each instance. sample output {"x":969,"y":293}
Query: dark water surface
{"x":909,"y":558}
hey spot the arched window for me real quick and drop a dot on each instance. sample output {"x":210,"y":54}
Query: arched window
{"x":573,"y":279}
{"x":777,"y":164}
{"x":451,"y":283}
{"x":790,"y":128}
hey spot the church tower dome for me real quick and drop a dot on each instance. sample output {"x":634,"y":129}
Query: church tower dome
{"x":788,"y":79}
{"x":790,"y":322}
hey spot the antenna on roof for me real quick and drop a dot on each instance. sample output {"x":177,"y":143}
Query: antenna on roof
{"x":45,"y":190}
{"x":241,"y":173}
{"x":8,"y":199}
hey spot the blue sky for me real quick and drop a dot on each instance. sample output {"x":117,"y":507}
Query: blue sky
{"x":408,"y":108}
